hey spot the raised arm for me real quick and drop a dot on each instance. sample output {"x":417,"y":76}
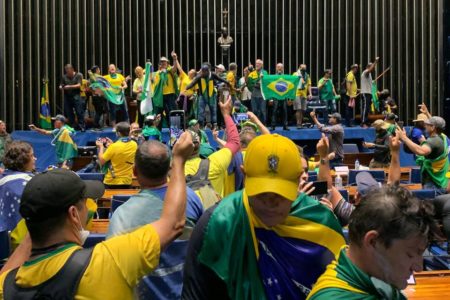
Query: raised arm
{"x":230,"y":128}
{"x":39,"y":130}
{"x":172,"y":220}
{"x":253,"y":118}
{"x":193,"y":82}
{"x":394,"y":168}
{"x":422,"y":150}
{"x":373,"y":65}
{"x":315,"y":120}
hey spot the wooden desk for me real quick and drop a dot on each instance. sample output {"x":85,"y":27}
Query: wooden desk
{"x":109,"y":193}
{"x":414,"y":186}
{"x":430,"y":285}
{"x":100,"y":226}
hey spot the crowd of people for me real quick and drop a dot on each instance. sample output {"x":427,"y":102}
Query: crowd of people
{"x":245,"y":215}
{"x":197,"y":93}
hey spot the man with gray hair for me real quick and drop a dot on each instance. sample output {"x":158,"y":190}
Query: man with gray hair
{"x":432,"y":154}
{"x":254,"y":86}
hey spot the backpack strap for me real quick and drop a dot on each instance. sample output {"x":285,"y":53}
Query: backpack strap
{"x":202,"y":172}
{"x":63,"y":285}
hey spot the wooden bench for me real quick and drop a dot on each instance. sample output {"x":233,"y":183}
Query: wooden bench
{"x":430,"y":285}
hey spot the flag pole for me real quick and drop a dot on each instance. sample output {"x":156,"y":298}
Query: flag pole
{"x":382,"y":73}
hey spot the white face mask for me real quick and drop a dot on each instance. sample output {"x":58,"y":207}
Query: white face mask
{"x":83,"y":233}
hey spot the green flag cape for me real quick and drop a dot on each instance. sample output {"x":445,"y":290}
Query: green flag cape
{"x":253,"y":78}
{"x":375,"y":102}
{"x":113,"y":94}
{"x":230,"y":244}
{"x":279,"y":87}
{"x":64,"y":145}
{"x":437,"y":168}
{"x":344,"y":280}
{"x":146,"y":106}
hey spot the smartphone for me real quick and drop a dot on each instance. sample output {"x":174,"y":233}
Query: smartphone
{"x":240,"y":118}
{"x":321,"y":188}
{"x":400,"y":124}
{"x":177,"y":125}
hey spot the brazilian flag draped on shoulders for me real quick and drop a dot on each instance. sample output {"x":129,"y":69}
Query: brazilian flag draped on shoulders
{"x":146,"y":106}
{"x":253,"y":78}
{"x":279,"y":87}
{"x":65,"y":147}
{"x":258,"y":262}
{"x":113,"y":94}
{"x":163,"y":79}
{"x":344,"y":280}
{"x":44,"y":113}
{"x":436,"y":169}
{"x":375,"y":101}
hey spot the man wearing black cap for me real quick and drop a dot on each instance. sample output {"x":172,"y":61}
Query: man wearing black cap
{"x":336,"y":137}
{"x":432,"y":154}
{"x":54,"y":208}
{"x":207,"y":95}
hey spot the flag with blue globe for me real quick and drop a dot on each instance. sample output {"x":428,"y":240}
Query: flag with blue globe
{"x":279,"y":87}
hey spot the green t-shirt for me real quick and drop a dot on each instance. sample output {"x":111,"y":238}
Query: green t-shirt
{"x":151,"y":133}
{"x":326,"y":93}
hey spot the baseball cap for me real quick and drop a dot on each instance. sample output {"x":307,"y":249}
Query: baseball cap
{"x":221,"y":67}
{"x":51,"y":193}
{"x":237,"y":104}
{"x":163,"y":58}
{"x":380,"y":124}
{"x":421,"y":118}
{"x":192,"y":122}
{"x":59,"y":118}
{"x":435,"y":121}
{"x":250,"y":124}
{"x":205,"y":67}
{"x":365,"y":182}
{"x":272,"y":165}
{"x":354,"y":66}
{"x":336,"y":115}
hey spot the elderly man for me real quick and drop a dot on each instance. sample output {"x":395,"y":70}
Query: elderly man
{"x":265,"y":241}
{"x":280,"y":103}
{"x":432,"y":154}
{"x":254,"y":86}
{"x":389,"y":231}
{"x":53,"y":205}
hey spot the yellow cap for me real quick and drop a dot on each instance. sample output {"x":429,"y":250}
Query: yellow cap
{"x":272,"y":165}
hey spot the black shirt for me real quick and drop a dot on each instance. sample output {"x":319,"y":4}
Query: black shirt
{"x":436,"y":144}
{"x":382,"y":154}
{"x":76,"y":79}
{"x":200,"y":282}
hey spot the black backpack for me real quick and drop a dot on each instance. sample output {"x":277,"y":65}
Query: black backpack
{"x":62,"y":286}
{"x":200,"y":183}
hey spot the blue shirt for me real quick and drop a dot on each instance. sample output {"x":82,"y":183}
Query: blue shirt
{"x":416,"y":133}
{"x":12,"y":184}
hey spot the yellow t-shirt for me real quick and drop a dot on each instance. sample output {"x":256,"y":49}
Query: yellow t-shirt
{"x":115,"y":268}
{"x":138,"y":85}
{"x":230,"y":182}
{"x":83,"y":87}
{"x":184,"y":82}
{"x":353,"y":85}
{"x":115,"y":82}
{"x":231,"y":78}
{"x":218,"y":165}
{"x":121,"y":155}
{"x":168,"y":88}
{"x":303,"y":92}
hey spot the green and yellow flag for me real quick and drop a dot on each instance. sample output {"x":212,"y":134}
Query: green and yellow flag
{"x":65,"y":146}
{"x":44,"y":112}
{"x":279,"y":87}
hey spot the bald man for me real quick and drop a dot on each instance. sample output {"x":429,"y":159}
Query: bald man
{"x":119,"y":84}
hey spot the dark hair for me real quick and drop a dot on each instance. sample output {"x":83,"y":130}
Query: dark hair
{"x":152,"y":160}
{"x":232,"y":66}
{"x":17,"y":155}
{"x":123,"y":128}
{"x":40,"y":231}
{"x":245,"y":137}
{"x":394,"y":213}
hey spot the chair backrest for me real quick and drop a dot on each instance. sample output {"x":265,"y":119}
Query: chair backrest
{"x":424,"y":194}
{"x":378,"y":175}
{"x":118,"y":200}
{"x":314,"y":91}
{"x":92,"y":176}
{"x":344,"y":194}
{"x":93,"y":239}
{"x":4,"y":244}
{"x":351,"y":148}
{"x":415,"y":176}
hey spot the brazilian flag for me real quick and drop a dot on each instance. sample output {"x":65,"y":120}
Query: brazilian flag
{"x":113,"y":94}
{"x":375,"y":102}
{"x":280,"y":262}
{"x":44,"y":113}
{"x":64,"y":145}
{"x":279,"y":87}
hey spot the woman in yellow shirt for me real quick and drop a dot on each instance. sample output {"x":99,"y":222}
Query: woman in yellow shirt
{"x":187,"y":97}
{"x":138,"y":85}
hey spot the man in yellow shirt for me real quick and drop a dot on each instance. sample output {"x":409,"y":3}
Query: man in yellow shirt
{"x":231,"y":78}
{"x":165,"y":82}
{"x":54,"y":207}
{"x":302,"y":94}
{"x":350,"y":96}
{"x":186,"y":99}
{"x":119,"y":158}
{"x":118,"y":84}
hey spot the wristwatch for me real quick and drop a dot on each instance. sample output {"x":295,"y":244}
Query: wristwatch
{"x":323,"y":161}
